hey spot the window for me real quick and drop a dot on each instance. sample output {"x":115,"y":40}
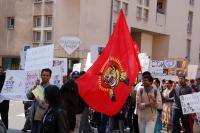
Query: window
{"x":37,"y":1}
{"x":48,"y":21}
{"x":10,"y":23}
{"x":146,"y":3}
{"x":189,"y":25}
{"x":48,"y":36}
{"x":191,"y":2}
{"x":139,"y":13}
{"x":37,"y":36}
{"x":145,"y":14}
{"x":139,"y":2}
{"x":10,"y":63}
{"x":37,"y":21}
{"x":116,"y":6}
{"x":188,"y":48}
{"x":161,"y":6}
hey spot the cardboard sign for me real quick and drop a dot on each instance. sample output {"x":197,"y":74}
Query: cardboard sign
{"x":190,"y":103}
{"x":77,"y":67}
{"x":192,"y":71}
{"x":144,"y":61}
{"x":56,"y":77}
{"x":39,"y":58}
{"x":14,"y":85}
{"x":70,"y":44}
{"x":62,"y":62}
{"x":38,"y":92}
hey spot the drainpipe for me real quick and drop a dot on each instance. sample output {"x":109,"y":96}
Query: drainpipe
{"x":111,"y":17}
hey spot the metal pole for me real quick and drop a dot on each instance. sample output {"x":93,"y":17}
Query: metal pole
{"x":111,"y":17}
{"x":121,"y":4}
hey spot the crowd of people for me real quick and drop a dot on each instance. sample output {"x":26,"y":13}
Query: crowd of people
{"x":152,"y":105}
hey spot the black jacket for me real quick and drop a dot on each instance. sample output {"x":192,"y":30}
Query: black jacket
{"x":54,"y":121}
{"x":2,"y":79}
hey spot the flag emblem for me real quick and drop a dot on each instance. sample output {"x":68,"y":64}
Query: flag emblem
{"x":111,"y":74}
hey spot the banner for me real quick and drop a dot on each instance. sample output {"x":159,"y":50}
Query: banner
{"x":19,"y":82}
{"x":190,"y":103}
{"x":62,"y":62}
{"x":39,"y":58}
{"x":14,"y":85}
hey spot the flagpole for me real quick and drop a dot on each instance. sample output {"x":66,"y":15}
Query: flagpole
{"x":121,"y":4}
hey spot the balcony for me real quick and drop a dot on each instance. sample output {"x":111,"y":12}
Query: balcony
{"x":160,"y":19}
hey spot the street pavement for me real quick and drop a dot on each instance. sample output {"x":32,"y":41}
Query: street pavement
{"x":17,"y":118}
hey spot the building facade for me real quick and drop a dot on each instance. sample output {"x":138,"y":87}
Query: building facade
{"x":162,"y":28}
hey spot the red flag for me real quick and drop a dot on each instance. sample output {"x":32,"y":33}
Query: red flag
{"x":107,"y":84}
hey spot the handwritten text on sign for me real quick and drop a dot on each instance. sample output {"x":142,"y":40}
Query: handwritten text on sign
{"x":190,"y":103}
{"x":39,"y":58}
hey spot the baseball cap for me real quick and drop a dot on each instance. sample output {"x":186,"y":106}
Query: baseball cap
{"x":75,"y":74}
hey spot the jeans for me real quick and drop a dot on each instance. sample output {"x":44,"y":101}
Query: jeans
{"x":102,"y":127}
{"x":111,"y":125}
{"x":146,"y":126}
{"x":176,"y":115}
{"x":158,"y":126}
{"x":84,"y":122}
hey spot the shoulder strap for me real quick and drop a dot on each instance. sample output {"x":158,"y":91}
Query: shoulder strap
{"x":155,"y":92}
{"x":141,"y":91}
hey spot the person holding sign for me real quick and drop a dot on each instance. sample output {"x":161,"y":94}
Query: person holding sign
{"x":39,"y":105}
{"x":177,"y":114}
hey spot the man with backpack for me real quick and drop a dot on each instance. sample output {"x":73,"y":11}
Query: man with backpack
{"x":148,"y":100}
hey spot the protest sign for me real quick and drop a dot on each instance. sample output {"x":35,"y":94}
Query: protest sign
{"x":77,"y":67}
{"x":30,"y":79}
{"x":190,"y":103}
{"x":39,"y":58}
{"x":38,"y":92}
{"x":14,"y":85}
{"x":144,"y":61}
{"x":56,"y":77}
{"x":62,"y":62}
{"x":192,"y":71}
{"x":88,"y":63}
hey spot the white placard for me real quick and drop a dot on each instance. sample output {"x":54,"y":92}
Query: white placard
{"x":31,"y":77}
{"x":88,"y":63}
{"x":192,"y":71}
{"x":14,"y":85}
{"x":144,"y":61}
{"x":190,"y":103}
{"x":77,"y":67}
{"x":56,"y":77}
{"x":39,"y":58}
{"x":70,"y":44}
{"x":62,"y":62}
